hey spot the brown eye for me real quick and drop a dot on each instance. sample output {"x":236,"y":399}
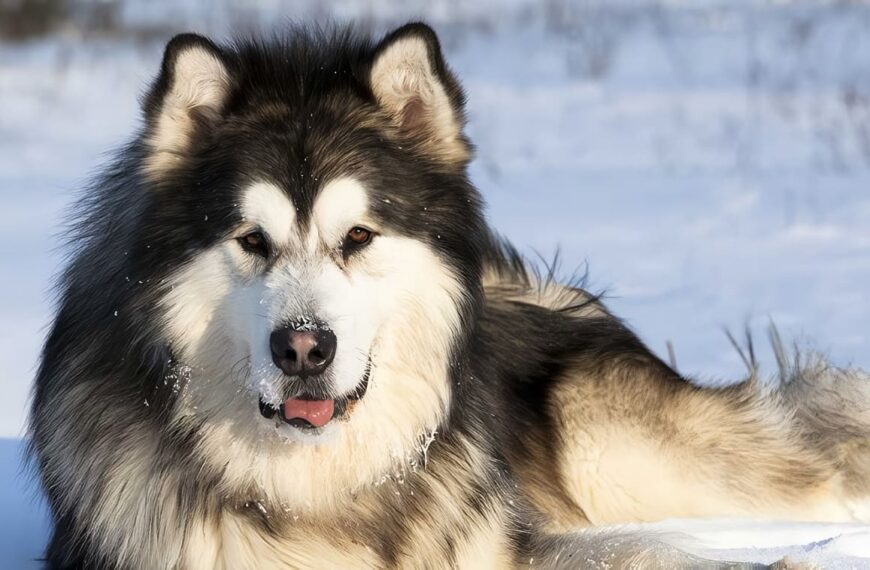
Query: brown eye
{"x":359,"y":236}
{"x":255,"y":242}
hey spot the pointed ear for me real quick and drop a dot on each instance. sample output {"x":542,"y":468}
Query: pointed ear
{"x":190,"y":93}
{"x":413,"y":84}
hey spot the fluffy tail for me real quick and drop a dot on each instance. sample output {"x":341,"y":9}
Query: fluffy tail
{"x":833,"y":405}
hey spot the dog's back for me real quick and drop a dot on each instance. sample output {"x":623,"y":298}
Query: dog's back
{"x":622,"y":437}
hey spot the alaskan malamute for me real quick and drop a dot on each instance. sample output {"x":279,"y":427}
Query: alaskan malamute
{"x":288,"y":339}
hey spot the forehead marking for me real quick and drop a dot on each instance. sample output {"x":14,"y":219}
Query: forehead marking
{"x":269,"y":207}
{"x":339,"y":205}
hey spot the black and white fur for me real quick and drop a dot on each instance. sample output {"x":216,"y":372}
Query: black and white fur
{"x":490,"y":414}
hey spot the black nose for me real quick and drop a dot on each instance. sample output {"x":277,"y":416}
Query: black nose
{"x":302,"y":353}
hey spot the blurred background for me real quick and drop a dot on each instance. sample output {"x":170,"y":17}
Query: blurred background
{"x":708,"y":162}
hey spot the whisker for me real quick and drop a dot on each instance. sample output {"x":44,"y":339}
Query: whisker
{"x":246,"y":373}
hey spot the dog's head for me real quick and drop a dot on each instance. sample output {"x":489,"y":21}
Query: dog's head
{"x":320,"y":242}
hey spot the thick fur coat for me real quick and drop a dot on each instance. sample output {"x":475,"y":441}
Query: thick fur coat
{"x":314,"y":184}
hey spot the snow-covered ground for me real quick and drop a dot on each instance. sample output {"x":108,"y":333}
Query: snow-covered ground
{"x":709,"y":162}
{"x":23,"y":516}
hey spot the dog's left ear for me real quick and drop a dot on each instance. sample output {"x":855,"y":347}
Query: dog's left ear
{"x":412,"y":83}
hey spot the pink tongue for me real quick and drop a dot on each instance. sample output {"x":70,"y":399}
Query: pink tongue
{"x":316,"y":412}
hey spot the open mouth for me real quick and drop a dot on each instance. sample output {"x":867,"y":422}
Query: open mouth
{"x":308,"y":412}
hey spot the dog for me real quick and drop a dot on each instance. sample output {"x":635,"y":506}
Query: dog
{"x":287,"y":338}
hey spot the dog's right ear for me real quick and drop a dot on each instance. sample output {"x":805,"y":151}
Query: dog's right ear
{"x":190,"y":93}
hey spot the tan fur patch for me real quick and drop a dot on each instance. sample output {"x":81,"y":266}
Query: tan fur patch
{"x":638,"y":447}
